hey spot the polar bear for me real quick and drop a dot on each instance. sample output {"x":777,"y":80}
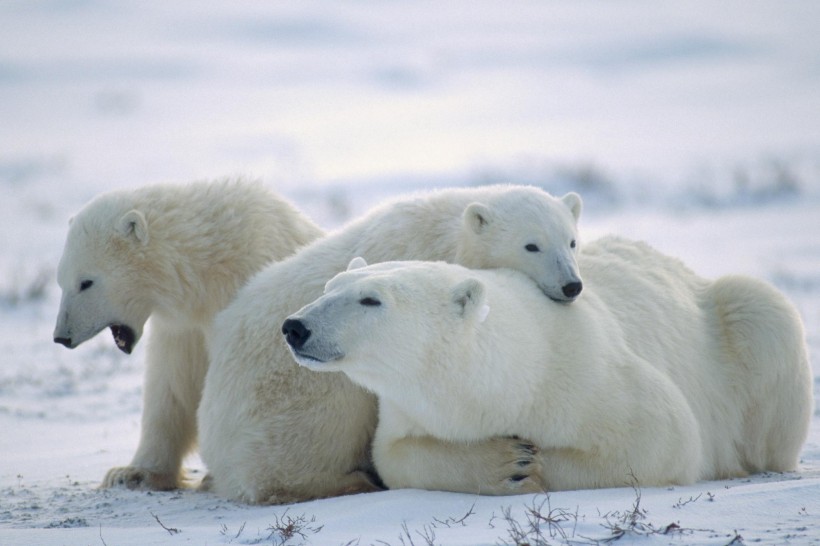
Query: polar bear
{"x":655,"y":375}
{"x":272,"y":432}
{"x":177,"y":254}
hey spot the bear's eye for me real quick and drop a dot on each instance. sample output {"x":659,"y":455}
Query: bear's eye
{"x":532,"y":248}
{"x":572,"y":244}
{"x":85,"y":285}
{"x":370,"y":302}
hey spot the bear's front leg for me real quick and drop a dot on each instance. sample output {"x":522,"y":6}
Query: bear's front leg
{"x":176,"y":364}
{"x":495,"y":466}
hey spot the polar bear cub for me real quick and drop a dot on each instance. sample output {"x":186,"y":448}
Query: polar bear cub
{"x":176,"y":254}
{"x":655,"y":373}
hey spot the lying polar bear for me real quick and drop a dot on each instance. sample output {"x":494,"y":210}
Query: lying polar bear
{"x":655,"y":373}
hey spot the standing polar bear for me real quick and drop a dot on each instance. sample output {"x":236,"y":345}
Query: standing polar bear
{"x":177,"y":254}
{"x":273,"y":432}
{"x":655,"y":373}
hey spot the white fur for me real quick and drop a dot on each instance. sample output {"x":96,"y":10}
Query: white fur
{"x":655,"y":373}
{"x":176,"y":254}
{"x":273,"y":432}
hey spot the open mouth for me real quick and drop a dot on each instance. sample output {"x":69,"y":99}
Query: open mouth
{"x":124,"y":337}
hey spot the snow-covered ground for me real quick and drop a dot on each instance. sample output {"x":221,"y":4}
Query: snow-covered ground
{"x":695,"y":127}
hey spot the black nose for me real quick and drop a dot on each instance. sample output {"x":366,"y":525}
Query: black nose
{"x":572,"y":289}
{"x":296,"y":333}
{"x":63,"y":341}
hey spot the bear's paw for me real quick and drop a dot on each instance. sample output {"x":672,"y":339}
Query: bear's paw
{"x":131,"y":477}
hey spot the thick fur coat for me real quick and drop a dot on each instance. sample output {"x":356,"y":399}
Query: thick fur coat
{"x":176,"y":254}
{"x":654,"y":375}
{"x":272,"y":432}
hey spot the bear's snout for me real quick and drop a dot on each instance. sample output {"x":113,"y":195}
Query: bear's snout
{"x":63,"y":341}
{"x":296,"y":333}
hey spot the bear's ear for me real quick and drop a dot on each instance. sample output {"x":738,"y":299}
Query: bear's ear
{"x":477,"y":217}
{"x":356,"y":263}
{"x":468,"y":298}
{"x":133,"y":224}
{"x":573,"y":202}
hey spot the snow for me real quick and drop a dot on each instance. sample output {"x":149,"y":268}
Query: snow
{"x":695,"y":127}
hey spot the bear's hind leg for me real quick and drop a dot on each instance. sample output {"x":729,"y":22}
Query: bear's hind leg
{"x":331,"y":486}
{"x":764,"y":342}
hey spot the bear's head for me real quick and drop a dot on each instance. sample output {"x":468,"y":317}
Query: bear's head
{"x":529,"y":230}
{"x":411,"y":308}
{"x":104,"y":274}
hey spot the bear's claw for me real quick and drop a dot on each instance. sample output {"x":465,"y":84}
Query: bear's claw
{"x":131,"y":477}
{"x":528,"y":448}
{"x":519,"y":465}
